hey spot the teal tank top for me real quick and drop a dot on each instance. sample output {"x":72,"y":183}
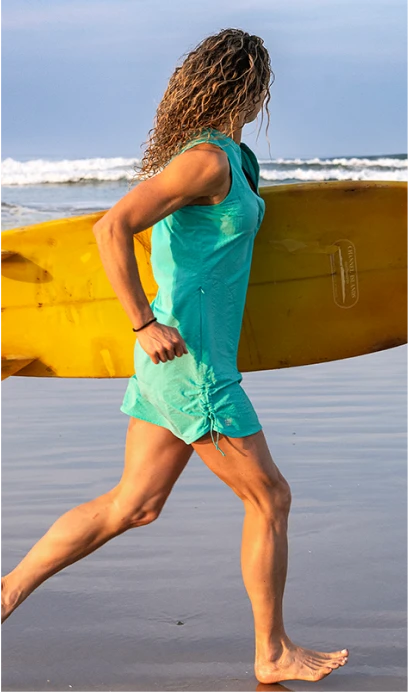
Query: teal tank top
{"x":201,"y":259}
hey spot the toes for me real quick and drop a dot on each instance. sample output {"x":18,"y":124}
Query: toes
{"x":336,"y":654}
{"x":336,"y":664}
{"x":332,"y":656}
{"x":323,"y":672}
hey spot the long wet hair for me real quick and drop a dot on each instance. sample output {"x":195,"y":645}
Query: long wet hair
{"x":224,"y":76}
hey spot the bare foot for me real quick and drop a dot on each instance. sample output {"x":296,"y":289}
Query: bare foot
{"x":2,"y":604}
{"x":8,"y":602}
{"x":295,"y":663}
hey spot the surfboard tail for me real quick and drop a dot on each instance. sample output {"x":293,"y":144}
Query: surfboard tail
{"x":11,"y":365}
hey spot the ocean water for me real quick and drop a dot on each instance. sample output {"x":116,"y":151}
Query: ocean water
{"x":43,"y":189}
{"x":337,"y":431}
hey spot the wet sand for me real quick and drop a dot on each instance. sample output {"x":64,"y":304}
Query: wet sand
{"x":163,"y":607}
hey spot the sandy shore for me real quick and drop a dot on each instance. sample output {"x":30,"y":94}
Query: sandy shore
{"x":163,"y":607}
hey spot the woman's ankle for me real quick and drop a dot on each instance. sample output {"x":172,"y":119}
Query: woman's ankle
{"x":271,"y":647}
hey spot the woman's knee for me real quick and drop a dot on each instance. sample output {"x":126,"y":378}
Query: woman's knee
{"x":270,"y":496}
{"x":132,"y":510}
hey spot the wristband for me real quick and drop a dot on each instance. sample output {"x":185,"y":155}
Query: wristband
{"x":145,"y":325}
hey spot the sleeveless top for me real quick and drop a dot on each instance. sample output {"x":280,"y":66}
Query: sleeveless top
{"x":201,"y":259}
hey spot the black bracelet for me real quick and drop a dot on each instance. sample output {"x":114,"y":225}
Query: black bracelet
{"x":145,"y":325}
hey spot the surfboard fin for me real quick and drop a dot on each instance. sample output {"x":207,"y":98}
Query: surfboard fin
{"x":8,"y":254}
{"x":10,"y":365}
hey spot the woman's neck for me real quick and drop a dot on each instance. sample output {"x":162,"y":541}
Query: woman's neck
{"x":242,"y":120}
{"x":236,"y":136}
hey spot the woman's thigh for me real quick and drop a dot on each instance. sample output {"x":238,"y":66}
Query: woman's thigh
{"x":247,"y":467}
{"x":154,"y":459}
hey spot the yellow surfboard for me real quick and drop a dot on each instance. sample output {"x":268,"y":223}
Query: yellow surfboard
{"x":328,"y":281}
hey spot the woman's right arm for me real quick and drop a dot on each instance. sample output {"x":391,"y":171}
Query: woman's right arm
{"x":188,"y":176}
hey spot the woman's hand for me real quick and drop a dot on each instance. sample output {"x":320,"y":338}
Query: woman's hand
{"x":161,"y":342}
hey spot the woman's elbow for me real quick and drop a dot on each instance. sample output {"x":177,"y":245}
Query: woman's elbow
{"x":109,"y":229}
{"x":104,"y":230}
{"x":100,"y":226}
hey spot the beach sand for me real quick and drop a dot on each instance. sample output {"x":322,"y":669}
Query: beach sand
{"x":163,"y":607}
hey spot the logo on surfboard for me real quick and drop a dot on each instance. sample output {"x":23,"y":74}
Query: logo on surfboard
{"x":344,"y":274}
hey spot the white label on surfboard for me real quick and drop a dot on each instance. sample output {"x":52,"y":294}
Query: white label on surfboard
{"x":344,"y":274}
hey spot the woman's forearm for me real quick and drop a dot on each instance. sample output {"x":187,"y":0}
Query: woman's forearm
{"x":116,"y":250}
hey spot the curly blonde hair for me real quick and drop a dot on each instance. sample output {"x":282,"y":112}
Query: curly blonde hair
{"x":224,"y":76}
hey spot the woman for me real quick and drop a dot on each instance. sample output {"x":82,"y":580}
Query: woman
{"x":201,"y":193}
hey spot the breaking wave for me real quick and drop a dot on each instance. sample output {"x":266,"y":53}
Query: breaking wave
{"x":102,"y":170}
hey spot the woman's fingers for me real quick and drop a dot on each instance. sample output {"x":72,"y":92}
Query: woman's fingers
{"x":180,"y":348}
{"x":154,"y":358}
{"x":165,"y":354}
{"x":162,"y":355}
{"x":166,"y":343}
{"x":172,"y":351}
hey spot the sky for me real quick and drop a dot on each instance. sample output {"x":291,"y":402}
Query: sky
{"x":83,"y":78}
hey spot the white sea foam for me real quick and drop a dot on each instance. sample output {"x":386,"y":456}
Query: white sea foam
{"x":355,"y":162}
{"x":310,"y":175}
{"x":71,"y":171}
{"x":40,"y":171}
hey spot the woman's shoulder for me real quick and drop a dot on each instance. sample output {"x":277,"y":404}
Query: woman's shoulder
{"x":210,"y":139}
{"x":201,"y":169}
{"x":205,"y":143}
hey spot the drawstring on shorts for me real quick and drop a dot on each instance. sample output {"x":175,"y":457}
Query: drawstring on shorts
{"x":212,"y":435}
{"x":206,"y":407}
